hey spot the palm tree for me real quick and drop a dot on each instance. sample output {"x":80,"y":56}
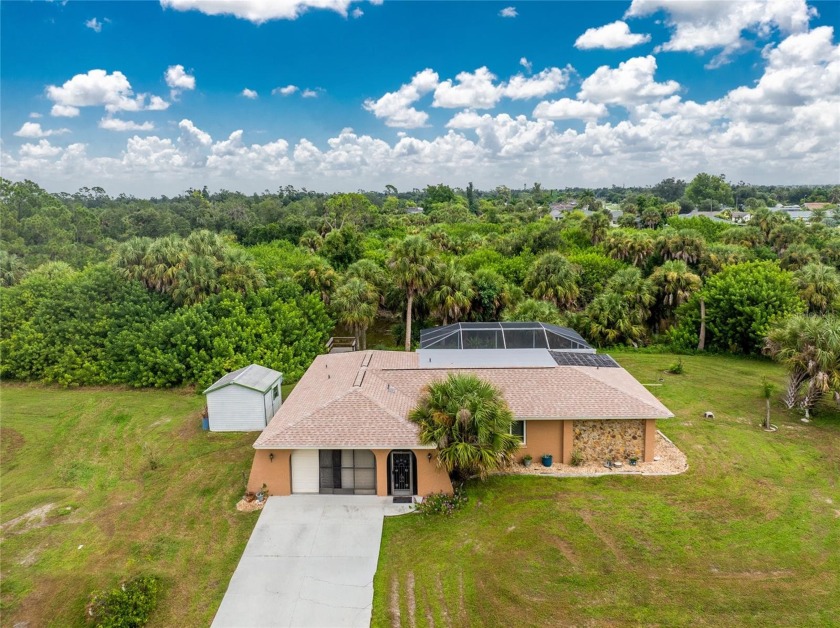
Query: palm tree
{"x":12,"y":269}
{"x":809,"y":346}
{"x":533,"y":310}
{"x":687,"y":245}
{"x":129,"y":258}
{"x":355,"y":302}
{"x":195,"y":280}
{"x":631,"y":246}
{"x":743,"y":236}
{"x":798,"y":255}
{"x":238,"y":272}
{"x":311,"y":240}
{"x":411,"y":263}
{"x":675,"y":283}
{"x":611,"y":319}
{"x":819,"y":287}
{"x":553,"y":279}
{"x":651,"y":218}
{"x":469,"y":421}
{"x":767,"y":390}
{"x":638,"y":292}
{"x":451,"y":298}
{"x":596,"y":226}
{"x":716,"y":257}
{"x":318,"y":276}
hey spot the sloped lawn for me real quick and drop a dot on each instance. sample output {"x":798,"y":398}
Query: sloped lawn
{"x":106,"y":484}
{"x":750,"y":535}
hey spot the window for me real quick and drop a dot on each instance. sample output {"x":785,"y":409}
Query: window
{"x":517,"y":428}
{"x":275,"y":392}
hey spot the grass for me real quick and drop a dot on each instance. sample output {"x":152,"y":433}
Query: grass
{"x":134,"y":486}
{"x":748,"y":536}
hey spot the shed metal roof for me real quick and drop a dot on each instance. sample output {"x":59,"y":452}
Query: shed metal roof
{"x":254,"y":376}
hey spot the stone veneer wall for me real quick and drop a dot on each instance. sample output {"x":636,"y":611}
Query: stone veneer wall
{"x":612,"y":439}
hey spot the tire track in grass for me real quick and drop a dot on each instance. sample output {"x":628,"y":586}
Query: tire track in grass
{"x":411,"y":602}
{"x":394,"y":603}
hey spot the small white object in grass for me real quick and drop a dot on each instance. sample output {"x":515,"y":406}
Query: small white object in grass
{"x":804,"y":420}
{"x":80,"y":547}
{"x":657,"y":458}
{"x":708,"y":414}
{"x":69,"y":508}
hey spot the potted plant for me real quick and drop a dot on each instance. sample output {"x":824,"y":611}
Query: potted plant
{"x":526,"y":460}
{"x":262,"y":494}
{"x":547,"y":460}
{"x":633,"y":460}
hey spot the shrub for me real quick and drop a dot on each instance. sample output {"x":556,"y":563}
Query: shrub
{"x":676,"y":368}
{"x":126,"y":606}
{"x":441,"y":503}
{"x":577,"y":457}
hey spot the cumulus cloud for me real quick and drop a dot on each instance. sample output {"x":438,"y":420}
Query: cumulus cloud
{"x":115,"y":124}
{"x":615,"y":36}
{"x":539,"y":85}
{"x":472,"y":89}
{"x":35,"y":114}
{"x":33,"y":129}
{"x":508,"y":12}
{"x":97,"y":88}
{"x":309,"y":93}
{"x":257,"y":11}
{"x":395,"y":107}
{"x":288,"y":90}
{"x":250,"y":94}
{"x":526,"y":64}
{"x":568,"y":109}
{"x":357,"y":13}
{"x":41,"y":150}
{"x":178,"y":80}
{"x":703,"y":26}
{"x":94,"y":25}
{"x":632,"y":82}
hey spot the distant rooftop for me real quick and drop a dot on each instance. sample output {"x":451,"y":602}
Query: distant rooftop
{"x":493,"y":335}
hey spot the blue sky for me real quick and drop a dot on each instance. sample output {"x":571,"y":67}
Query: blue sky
{"x":149,"y":97}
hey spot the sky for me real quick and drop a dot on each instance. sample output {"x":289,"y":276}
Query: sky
{"x":152,"y":98}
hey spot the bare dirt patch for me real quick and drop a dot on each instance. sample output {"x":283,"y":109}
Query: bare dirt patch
{"x":10,"y":443}
{"x":35,"y":518}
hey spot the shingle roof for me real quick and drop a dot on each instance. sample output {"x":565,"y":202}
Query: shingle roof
{"x":254,"y":376}
{"x":362,"y":399}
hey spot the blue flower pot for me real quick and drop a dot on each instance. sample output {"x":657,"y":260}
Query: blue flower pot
{"x":547,"y":461}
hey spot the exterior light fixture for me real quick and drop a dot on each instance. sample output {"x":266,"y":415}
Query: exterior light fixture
{"x":429,"y":456}
{"x":271,"y":457}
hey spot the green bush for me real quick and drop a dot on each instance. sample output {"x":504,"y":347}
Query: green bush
{"x":127,"y":606}
{"x":577,"y":457}
{"x":441,"y":503}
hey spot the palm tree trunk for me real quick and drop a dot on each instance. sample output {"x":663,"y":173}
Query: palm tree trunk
{"x":364,"y":338}
{"x":408,"y":322}
{"x":791,"y":396}
{"x":767,"y":415}
{"x":702,"y":344}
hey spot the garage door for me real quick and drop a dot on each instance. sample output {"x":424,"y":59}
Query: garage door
{"x":305,"y":471}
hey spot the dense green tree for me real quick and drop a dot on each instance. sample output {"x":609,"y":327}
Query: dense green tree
{"x":716,"y":257}
{"x":451,"y":296}
{"x":798,"y":255}
{"x":610,"y":319}
{"x":709,"y":192}
{"x":469,"y":421}
{"x":684,"y":245}
{"x":491,"y":296}
{"x":742,"y":236}
{"x":355,"y":303}
{"x":412,"y":268}
{"x":669,"y":189}
{"x":674,"y":283}
{"x":12,"y":269}
{"x":819,"y":287}
{"x":553,"y":279}
{"x":594,"y":272}
{"x":632,"y":246}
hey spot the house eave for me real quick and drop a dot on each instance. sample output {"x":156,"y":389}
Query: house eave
{"x":327,"y":446}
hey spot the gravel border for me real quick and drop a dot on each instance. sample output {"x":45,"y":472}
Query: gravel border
{"x":669,"y":460}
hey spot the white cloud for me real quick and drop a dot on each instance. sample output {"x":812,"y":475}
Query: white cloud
{"x":94,"y":25}
{"x":395,"y":107}
{"x":35,"y":115}
{"x":249,"y":93}
{"x":33,"y":129}
{"x":178,"y":80}
{"x":508,"y":12}
{"x":548,"y":81}
{"x":474,"y":89}
{"x":526,"y":64}
{"x":257,"y":11}
{"x":285,"y":91}
{"x":632,"y":82}
{"x":98,"y":88}
{"x":703,"y":26}
{"x":115,"y":124}
{"x":357,"y":13}
{"x":613,"y":36}
{"x":64,"y":111}
{"x":42,"y":150}
{"x":568,"y":109}
{"x":309,"y":93}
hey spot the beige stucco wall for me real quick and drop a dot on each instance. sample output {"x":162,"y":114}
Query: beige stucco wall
{"x":542,"y":437}
{"x":614,"y":439}
{"x":277,"y":473}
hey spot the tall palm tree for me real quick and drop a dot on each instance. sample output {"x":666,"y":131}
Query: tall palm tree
{"x":687,"y":245}
{"x":195,"y":280}
{"x":630,"y":245}
{"x":798,"y":255}
{"x":675,"y":283}
{"x":553,"y":278}
{"x":611,"y":319}
{"x":317,"y":276}
{"x":12,"y":269}
{"x":412,"y":267}
{"x":819,"y":287}
{"x":469,"y":421}
{"x":451,"y":297}
{"x":638,"y":292}
{"x":239,"y":273}
{"x":355,"y":302}
{"x":744,"y":236}
{"x":596,"y":226}
{"x":809,"y":346}
{"x":129,"y":258}
{"x":716,"y":257}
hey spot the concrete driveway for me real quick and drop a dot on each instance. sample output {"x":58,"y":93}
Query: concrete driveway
{"x":310,"y":561}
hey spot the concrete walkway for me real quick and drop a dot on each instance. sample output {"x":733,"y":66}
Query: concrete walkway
{"x":310,"y":561}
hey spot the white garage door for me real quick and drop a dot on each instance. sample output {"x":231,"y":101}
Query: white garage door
{"x":305,"y":471}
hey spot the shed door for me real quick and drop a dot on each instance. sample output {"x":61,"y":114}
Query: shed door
{"x":305,"y":471}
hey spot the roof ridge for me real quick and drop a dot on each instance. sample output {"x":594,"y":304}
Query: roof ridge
{"x":363,"y":389}
{"x":617,"y":389}
{"x":242,"y":372}
{"x":331,"y":401}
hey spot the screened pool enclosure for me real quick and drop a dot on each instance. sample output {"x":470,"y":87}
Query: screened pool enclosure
{"x":503,"y":336}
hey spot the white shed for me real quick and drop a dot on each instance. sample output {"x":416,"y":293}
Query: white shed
{"x":244,"y":400}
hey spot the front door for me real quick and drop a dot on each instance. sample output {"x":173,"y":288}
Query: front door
{"x":401,"y":476}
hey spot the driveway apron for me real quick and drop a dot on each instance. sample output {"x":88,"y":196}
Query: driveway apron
{"x":310,"y":561}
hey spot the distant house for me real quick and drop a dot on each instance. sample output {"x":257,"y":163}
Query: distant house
{"x":813,"y":206}
{"x":413,"y":210}
{"x":778,"y":207}
{"x":741,"y":217}
{"x":556,"y":214}
{"x":244,"y":400}
{"x":700,"y":214}
{"x":345,"y":429}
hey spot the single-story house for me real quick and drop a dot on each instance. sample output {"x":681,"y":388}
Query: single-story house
{"x":345,"y":427}
{"x":413,"y":210}
{"x":244,"y":400}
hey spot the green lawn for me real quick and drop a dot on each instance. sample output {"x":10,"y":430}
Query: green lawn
{"x":135,"y":487}
{"x":750,"y":535}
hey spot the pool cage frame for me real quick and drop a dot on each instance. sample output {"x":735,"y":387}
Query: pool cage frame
{"x":507,"y":335}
